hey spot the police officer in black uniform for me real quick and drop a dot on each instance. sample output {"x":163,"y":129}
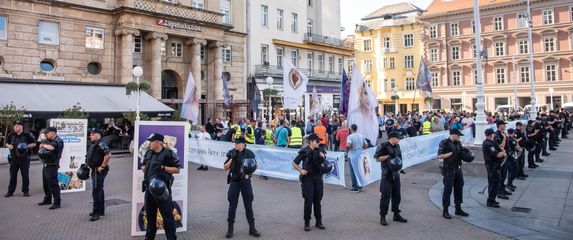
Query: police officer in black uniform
{"x":513,"y":154}
{"x":390,"y":181}
{"x":493,"y":157}
{"x":451,"y":152}
{"x":52,"y":148}
{"x":159,"y":163}
{"x":501,"y":139}
{"x":19,"y":162}
{"x":312,"y":184}
{"x":543,"y":130}
{"x":97,"y":158}
{"x":522,"y":141}
{"x":533,"y":146}
{"x":239,"y":184}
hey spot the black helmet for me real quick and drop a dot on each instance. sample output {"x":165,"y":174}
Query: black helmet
{"x":21,"y":149}
{"x":46,"y":155}
{"x":325,"y":167}
{"x":395,"y":164}
{"x":83,"y":172}
{"x":249,"y":166}
{"x":468,"y":156}
{"x":158,"y":189}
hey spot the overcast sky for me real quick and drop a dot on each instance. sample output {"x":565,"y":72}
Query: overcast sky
{"x":352,"y":11}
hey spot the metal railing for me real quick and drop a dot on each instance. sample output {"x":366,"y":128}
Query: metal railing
{"x":312,"y":74}
{"x":315,"y":38}
{"x":177,"y":10}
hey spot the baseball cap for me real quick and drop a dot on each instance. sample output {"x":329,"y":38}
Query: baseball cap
{"x":19,"y":122}
{"x":96,"y":130}
{"x":51,"y":129}
{"x":489,"y":131}
{"x":156,"y":137}
{"x":456,"y":131}
{"x":240,"y":139}
{"x":314,"y":137}
{"x":393,"y":135}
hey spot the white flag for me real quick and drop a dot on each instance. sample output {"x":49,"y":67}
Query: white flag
{"x":190,"y":105}
{"x":361,"y":107}
{"x":314,"y":103}
{"x":294,"y":85}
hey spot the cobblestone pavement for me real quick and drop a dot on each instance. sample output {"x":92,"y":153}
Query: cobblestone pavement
{"x":278,"y":210}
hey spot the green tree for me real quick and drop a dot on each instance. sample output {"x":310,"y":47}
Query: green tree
{"x":130,"y":116}
{"x":74,"y":112}
{"x":9,"y":114}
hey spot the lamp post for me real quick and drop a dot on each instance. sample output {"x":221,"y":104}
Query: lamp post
{"x":463,"y":101}
{"x":269,"y":81}
{"x":480,"y":123}
{"x":551,"y":96}
{"x":137,"y":73}
{"x":395,"y":92}
{"x":533,"y":109}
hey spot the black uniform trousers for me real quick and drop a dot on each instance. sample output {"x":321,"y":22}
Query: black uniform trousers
{"x":453,"y":179}
{"x":493,"y":179}
{"x":244,"y":188}
{"x":50,"y":183}
{"x":390,"y":188}
{"x":97,"y":190}
{"x":23,"y":165}
{"x":544,"y":145}
{"x":166,"y":209}
{"x":312,"y":192}
{"x":508,"y":172}
{"x":521,"y":164}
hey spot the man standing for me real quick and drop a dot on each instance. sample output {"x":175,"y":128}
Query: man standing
{"x":354,"y":145}
{"x":250,"y":131}
{"x":239,"y":184}
{"x":390,"y":181}
{"x":427,"y":126}
{"x":282,"y":134}
{"x":311,"y":179}
{"x":19,"y":161}
{"x":436,"y":125}
{"x":501,"y":140}
{"x":219,"y":128}
{"x":50,"y":153}
{"x":342,"y":135}
{"x":210,"y":128}
{"x":203,"y":136}
{"x":521,"y":139}
{"x":159,"y":163}
{"x":451,"y":152}
{"x":321,"y":132}
{"x":296,"y":137}
{"x":260,"y":134}
{"x":534,"y":148}
{"x":493,"y":157}
{"x":97,"y":158}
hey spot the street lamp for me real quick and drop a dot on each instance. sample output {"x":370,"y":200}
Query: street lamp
{"x":551,"y":96}
{"x":395,"y":91}
{"x":137,"y":73}
{"x":480,"y":123}
{"x":533,"y":103}
{"x":269,"y":80}
{"x":463,"y":101}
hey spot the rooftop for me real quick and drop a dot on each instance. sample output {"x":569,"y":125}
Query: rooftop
{"x":445,"y":6}
{"x":393,"y":9}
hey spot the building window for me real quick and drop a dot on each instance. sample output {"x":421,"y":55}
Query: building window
{"x":264,"y":15}
{"x":320,"y":62}
{"x":498,"y":23}
{"x":49,"y":33}
{"x":409,"y":61}
{"x":455,"y":53}
{"x":549,"y":44}
{"x":547,"y":16}
{"x":176,"y":49}
{"x":47,"y":65}
{"x":226,"y":15}
{"x":433,"y":54}
{"x":385,"y":63}
{"x":138,"y":44}
{"x":521,"y":20}
{"x":3,"y":27}
{"x":280,"y":19}
{"x":94,"y":37}
{"x":433,"y":32}
{"x":456,"y":104}
{"x":392,"y":84}
{"x":227,"y":54}
{"x":331,"y":64}
{"x":163,"y":48}
{"x":410,"y":84}
{"x":340,"y":65}
{"x":408,"y":40}
{"x":550,"y":73}
{"x":435,"y":79}
{"x":265,"y":54}
{"x":499,"y":49}
{"x":309,"y":27}
{"x":500,"y":75}
{"x":454,"y":29}
{"x":350,"y":67}
{"x":202,"y":52}
{"x":387,"y":43}
{"x":456,"y":78}
{"x":280,"y":54}
{"x":524,"y":74}
{"x":392,"y":63}
{"x":94,"y":68}
{"x":367,"y":45}
{"x":294,"y":23}
{"x":523,"y":46}
{"x":476,"y":76}
{"x":198,"y":4}
{"x":473,"y":26}
{"x":310,"y":3}
{"x":309,"y":60}
{"x":571,"y":13}
{"x":367,"y":65}
{"x":294,"y":57}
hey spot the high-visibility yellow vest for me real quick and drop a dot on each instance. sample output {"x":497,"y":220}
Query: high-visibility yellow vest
{"x":426,"y":128}
{"x":296,"y":137}
{"x":250,"y":139}
{"x":269,"y":137}
{"x":238,"y":132}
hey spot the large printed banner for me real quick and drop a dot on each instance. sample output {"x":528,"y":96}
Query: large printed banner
{"x":74,"y":134}
{"x":272,"y":161}
{"x":176,"y":139}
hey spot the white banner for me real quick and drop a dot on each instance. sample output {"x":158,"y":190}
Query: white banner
{"x":74,"y":134}
{"x":176,"y":138}
{"x":294,"y":85}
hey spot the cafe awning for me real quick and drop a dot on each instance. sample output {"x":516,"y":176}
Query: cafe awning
{"x":50,"y":99}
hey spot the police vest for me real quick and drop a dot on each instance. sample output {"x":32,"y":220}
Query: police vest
{"x":426,"y":128}
{"x":96,"y":153}
{"x":237,"y":132}
{"x":251,"y":138}
{"x":296,"y":137}
{"x":269,"y":137}
{"x":321,"y":132}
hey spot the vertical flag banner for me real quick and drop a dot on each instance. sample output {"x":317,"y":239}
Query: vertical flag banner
{"x":74,"y":133}
{"x":256,"y":96}
{"x":361,"y":107}
{"x":190,"y":106}
{"x":226,"y":96}
{"x":344,"y":92}
{"x":315,"y":107}
{"x":424,"y":76}
{"x":294,"y":85}
{"x":175,"y":139}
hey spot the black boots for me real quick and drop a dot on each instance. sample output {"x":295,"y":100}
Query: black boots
{"x":229,"y":231}
{"x":319,"y":224}
{"x":446,"y":214}
{"x":398,"y":218}
{"x":306,"y":225}
{"x":461,"y":212}
{"x":45,"y":202}
{"x":252,"y":231}
{"x":383,"y":220}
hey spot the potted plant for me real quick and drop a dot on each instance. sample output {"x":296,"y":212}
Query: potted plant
{"x":133,"y":87}
{"x":395,"y":97}
{"x":428,"y":99}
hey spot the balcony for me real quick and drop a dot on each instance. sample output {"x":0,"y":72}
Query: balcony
{"x":173,"y":9}
{"x":312,"y":74}
{"x":315,"y":38}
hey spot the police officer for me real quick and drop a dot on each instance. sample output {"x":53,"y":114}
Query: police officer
{"x":159,"y":163}
{"x":239,"y":184}
{"x":50,"y":153}
{"x":501,"y":140}
{"x":513,"y":153}
{"x":312,"y":184}
{"x":522,"y":141}
{"x":493,"y":157}
{"x":19,"y":162}
{"x":451,"y":152}
{"x":532,"y":131}
{"x":97,"y":158}
{"x":390,"y":182}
